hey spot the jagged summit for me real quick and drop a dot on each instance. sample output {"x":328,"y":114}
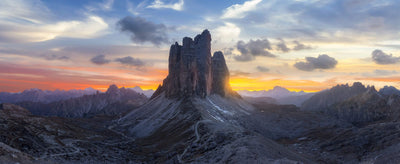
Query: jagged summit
{"x":338,"y":93}
{"x":193,"y":71}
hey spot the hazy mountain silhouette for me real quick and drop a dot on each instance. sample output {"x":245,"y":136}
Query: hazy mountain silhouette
{"x":147,"y":93}
{"x":44,"y":96}
{"x":113,"y":102}
{"x":279,"y":94}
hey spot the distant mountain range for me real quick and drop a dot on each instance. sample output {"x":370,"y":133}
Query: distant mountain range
{"x":113,"y":102}
{"x":279,"y":94}
{"x":147,"y":93}
{"x":44,"y":96}
{"x":276,"y":92}
{"x":357,"y":104}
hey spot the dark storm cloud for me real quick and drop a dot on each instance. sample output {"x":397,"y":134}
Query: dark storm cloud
{"x":300,"y":46}
{"x":253,"y":48}
{"x":130,"y":61}
{"x":380,"y":57}
{"x":142,"y":31}
{"x":281,"y":46}
{"x":262,"y":69}
{"x":100,"y":60}
{"x":320,"y":62}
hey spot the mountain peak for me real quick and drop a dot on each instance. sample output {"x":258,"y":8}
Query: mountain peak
{"x":112,"y":89}
{"x":279,"y":88}
{"x":193,"y":71}
{"x":389,"y":90}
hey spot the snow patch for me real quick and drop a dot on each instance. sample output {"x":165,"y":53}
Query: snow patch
{"x":218,"y":108}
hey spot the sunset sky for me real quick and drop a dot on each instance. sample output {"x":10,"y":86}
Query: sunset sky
{"x":305,"y":45}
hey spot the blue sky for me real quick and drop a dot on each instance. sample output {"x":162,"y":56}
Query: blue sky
{"x":299,"y":44}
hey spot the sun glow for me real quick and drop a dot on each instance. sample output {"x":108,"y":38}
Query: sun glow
{"x":292,"y":85}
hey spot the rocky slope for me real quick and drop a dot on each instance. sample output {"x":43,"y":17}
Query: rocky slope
{"x":322,"y":100}
{"x":389,"y":90}
{"x":113,"y":102}
{"x":356,"y":104}
{"x":26,"y":138}
{"x":367,"y":107}
{"x":195,"y":117}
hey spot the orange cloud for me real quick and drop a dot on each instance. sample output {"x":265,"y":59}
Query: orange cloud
{"x":15,"y":78}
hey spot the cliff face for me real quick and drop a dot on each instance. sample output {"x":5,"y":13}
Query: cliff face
{"x":220,"y":75}
{"x":192,"y":70}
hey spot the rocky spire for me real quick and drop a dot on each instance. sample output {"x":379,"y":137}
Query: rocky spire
{"x":220,"y":75}
{"x":192,"y":70}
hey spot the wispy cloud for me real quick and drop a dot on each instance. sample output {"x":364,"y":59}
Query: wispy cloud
{"x":130,"y":61}
{"x":106,"y":5}
{"x":27,"y":11}
{"x":239,"y":10}
{"x":158,"y":4}
{"x":135,"y":9}
{"x":55,"y":57}
{"x":29,"y":22}
{"x":262,"y":69}
{"x":381,"y":72}
{"x":300,"y":46}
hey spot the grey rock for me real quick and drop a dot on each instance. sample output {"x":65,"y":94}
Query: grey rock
{"x":192,"y":70}
{"x":220,"y":75}
{"x":322,"y":100}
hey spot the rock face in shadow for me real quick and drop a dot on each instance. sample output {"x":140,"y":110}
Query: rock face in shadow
{"x":220,"y":75}
{"x":322,"y":100}
{"x":192,"y":70}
